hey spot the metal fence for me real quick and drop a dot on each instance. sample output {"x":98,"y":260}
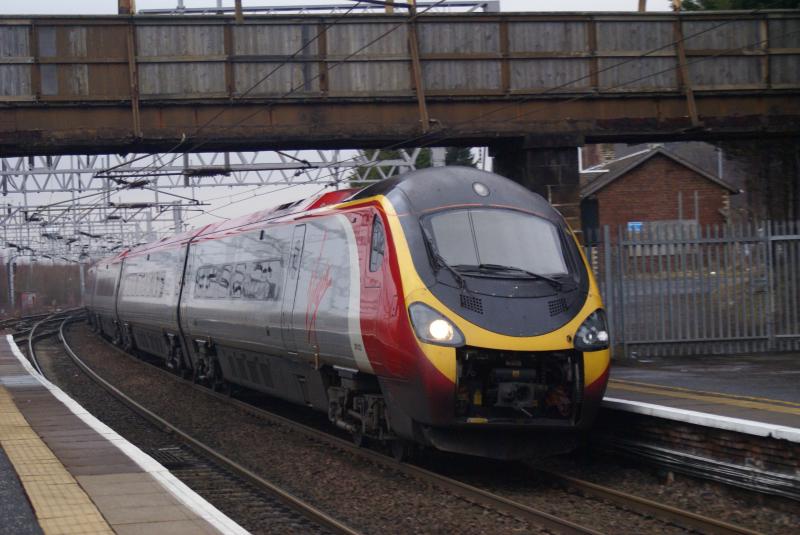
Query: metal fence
{"x":681,"y":289}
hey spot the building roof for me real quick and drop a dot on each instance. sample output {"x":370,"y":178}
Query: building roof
{"x":616,"y":168}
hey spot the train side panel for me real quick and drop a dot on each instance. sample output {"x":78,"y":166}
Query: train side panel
{"x":272,"y":306}
{"x":104,"y":300}
{"x":148,"y":300}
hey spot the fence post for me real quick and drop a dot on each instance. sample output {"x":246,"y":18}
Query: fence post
{"x":609,"y":287}
{"x":621,"y":303}
{"x":770,"y":288}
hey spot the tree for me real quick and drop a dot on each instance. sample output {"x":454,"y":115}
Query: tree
{"x":459,"y":156}
{"x":362,"y":174}
{"x":772,"y":165}
{"x":718,"y":5}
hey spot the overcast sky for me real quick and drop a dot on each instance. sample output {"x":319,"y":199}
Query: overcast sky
{"x":266,"y":197}
{"x":55,"y":7}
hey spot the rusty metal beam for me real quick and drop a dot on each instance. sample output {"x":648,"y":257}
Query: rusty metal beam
{"x":685,"y":77}
{"x":58,"y":128}
{"x":416,"y":72}
{"x":69,"y":89}
{"x":239,"y":14}
{"x":133,"y":77}
{"x":126,"y":7}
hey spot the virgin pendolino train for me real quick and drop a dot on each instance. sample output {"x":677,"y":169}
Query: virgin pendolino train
{"x":447,"y":307}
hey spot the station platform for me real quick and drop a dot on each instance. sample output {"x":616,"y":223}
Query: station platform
{"x":751,"y":394}
{"x":62,"y":471}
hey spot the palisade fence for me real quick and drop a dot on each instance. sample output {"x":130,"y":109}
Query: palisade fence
{"x":676,"y":288}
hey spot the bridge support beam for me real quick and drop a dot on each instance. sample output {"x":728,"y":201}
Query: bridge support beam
{"x":126,"y":7}
{"x":551,"y":171}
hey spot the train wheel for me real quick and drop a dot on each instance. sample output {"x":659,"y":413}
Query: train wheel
{"x":359,"y":439}
{"x":402,"y":450}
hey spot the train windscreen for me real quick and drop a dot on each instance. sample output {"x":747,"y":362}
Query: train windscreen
{"x":498,"y":237}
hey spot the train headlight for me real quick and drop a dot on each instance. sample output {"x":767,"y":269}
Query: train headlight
{"x":434,"y":328}
{"x":592,"y":335}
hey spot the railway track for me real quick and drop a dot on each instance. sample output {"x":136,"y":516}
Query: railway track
{"x":681,"y":517}
{"x":671,"y":515}
{"x":468,"y":492}
{"x":200,"y":466}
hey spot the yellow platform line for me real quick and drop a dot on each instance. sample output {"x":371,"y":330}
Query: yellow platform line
{"x":61,"y":505}
{"x":716,"y":399}
{"x":707,"y":393}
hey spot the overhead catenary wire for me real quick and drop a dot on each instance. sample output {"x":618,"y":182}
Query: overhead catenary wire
{"x":184,"y":138}
{"x":303,"y":84}
{"x":440,"y":135}
{"x":141,"y":174}
{"x":698,"y":60}
{"x":249,"y":89}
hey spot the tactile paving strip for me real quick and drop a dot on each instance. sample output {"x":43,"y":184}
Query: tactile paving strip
{"x":60,"y":504}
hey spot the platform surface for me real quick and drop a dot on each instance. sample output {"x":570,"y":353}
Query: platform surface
{"x":62,"y":471}
{"x":748,"y":393}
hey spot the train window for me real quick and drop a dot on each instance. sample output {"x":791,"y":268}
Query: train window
{"x":200,"y":282}
{"x":237,"y":281}
{"x":378,"y":245}
{"x":211,"y":282}
{"x":475,"y":237}
{"x":224,"y":280}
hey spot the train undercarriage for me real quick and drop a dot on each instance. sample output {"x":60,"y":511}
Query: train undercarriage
{"x":501,"y":398}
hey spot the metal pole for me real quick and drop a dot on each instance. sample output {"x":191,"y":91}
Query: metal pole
{"x":126,"y":7}
{"x":11,"y":281}
{"x":438,"y":155}
{"x":609,"y":293}
{"x":177,"y":218}
{"x":83,"y":287}
{"x":770,"y":287}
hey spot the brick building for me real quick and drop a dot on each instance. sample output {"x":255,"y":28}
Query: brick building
{"x":650,"y":188}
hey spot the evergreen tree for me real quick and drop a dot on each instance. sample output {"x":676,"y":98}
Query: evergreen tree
{"x":459,"y":156}
{"x":361,"y":175}
{"x":718,"y":5}
{"x":773,"y":165}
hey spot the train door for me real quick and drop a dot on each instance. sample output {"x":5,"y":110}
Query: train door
{"x":292,"y":276}
{"x":372,"y":266}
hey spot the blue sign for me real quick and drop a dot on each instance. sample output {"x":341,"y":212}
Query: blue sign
{"x":635,"y":226}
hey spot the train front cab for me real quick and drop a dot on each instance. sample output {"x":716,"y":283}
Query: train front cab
{"x":482,"y":392}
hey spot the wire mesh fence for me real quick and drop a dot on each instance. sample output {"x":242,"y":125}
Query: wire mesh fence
{"x":676,"y":288}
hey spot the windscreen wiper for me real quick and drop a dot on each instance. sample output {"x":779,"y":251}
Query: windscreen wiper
{"x":499,"y":267}
{"x":439,"y":261}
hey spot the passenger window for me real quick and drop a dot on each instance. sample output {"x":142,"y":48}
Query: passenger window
{"x":211,"y":283}
{"x":378,"y":244}
{"x":237,"y":281}
{"x":200,"y":282}
{"x":224,"y":281}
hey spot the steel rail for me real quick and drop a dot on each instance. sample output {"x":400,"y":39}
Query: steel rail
{"x":288,"y":499}
{"x":681,"y":517}
{"x":11,"y":321}
{"x":32,"y":335}
{"x":471,"y":493}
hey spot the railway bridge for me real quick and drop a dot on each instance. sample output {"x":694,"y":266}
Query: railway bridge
{"x":531,"y":86}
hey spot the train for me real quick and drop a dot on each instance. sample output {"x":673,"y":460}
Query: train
{"x":446,"y":307}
